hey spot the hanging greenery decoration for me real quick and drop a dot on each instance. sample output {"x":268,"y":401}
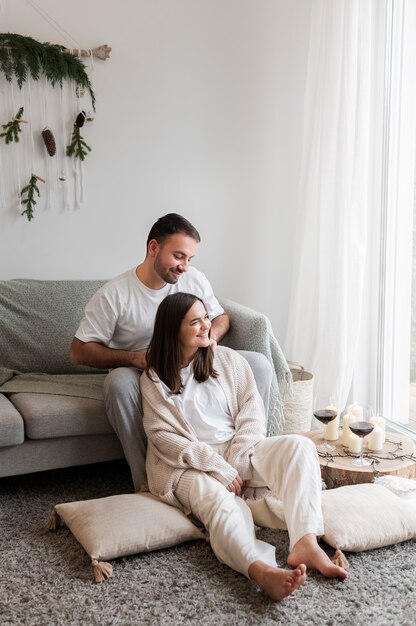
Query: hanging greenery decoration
{"x":78,"y":147}
{"x":22,"y":56}
{"x":23,"y":60}
{"x":30,"y":201}
{"x":12,"y":128}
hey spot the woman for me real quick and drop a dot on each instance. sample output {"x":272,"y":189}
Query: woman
{"x":205,"y":424}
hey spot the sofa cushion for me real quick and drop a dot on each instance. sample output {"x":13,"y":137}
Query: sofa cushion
{"x":12,"y":432}
{"x":39,"y":319}
{"x":48,"y":416}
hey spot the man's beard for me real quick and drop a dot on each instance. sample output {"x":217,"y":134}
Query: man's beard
{"x":166,"y":275}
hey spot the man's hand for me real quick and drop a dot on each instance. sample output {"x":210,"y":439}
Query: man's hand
{"x":139,"y":360}
{"x":96,"y":354}
{"x":236,"y":486}
{"x":213,"y":344}
{"x":220,"y":326}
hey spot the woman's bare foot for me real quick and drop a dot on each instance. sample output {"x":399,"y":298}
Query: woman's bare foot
{"x":275,"y":582}
{"x":307,"y":551}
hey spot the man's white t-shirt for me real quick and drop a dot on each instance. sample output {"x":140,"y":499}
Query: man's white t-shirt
{"x":121,"y":314}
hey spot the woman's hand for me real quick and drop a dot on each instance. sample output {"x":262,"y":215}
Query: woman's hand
{"x":236,"y":486}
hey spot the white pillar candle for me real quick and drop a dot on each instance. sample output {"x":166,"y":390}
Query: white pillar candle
{"x":379,"y":422}
{"x":356,"y":410}
{"x":332,"y":428}
{"x":346,"y":432}
{"x":376,"y":439}
{"x":355,"y":444}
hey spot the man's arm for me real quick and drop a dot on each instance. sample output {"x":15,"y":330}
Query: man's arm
{"x":219,"y":327}
{"x":97,"y":355}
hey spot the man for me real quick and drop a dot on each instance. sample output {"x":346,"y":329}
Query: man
{"x":118,"y":325}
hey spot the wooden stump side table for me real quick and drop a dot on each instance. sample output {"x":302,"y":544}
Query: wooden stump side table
{"x":398,"y":458}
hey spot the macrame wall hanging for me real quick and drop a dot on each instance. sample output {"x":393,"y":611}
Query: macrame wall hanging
{"x":46,"y":97}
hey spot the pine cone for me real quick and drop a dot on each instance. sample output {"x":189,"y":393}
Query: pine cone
{"x":80,"y":119}
{"x":49,"y":140}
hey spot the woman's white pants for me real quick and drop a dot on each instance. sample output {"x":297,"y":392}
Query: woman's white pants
{"x":288,"y":465}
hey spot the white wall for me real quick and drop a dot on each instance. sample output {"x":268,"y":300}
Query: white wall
{"x":199,"y":111}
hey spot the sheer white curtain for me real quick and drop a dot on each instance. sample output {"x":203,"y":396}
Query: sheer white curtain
{"x":334,"y":196}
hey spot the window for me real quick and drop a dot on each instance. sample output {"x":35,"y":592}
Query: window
{"x":388,"y":332}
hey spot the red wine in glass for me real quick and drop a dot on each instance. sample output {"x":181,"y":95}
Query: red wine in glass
{"x":325,"y":416}
{"x":362,"y":429}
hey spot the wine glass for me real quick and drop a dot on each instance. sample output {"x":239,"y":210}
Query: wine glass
{"x":360,"y":425}
{"x":325,"y":411}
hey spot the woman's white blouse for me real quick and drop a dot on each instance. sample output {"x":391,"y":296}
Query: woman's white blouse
{"x":204,"y":406}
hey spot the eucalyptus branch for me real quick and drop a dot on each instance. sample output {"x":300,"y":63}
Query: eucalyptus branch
{"x":78,"y":147}
{"x":12,"y":128}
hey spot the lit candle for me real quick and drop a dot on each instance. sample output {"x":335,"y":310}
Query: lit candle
{"x":332,"y":428}
{"x":355,"y":444}
{"x":376,"y":439}
{"x":356,"y":410}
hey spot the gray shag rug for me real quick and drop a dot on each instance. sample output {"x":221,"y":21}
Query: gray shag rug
{"x":46,"y":577}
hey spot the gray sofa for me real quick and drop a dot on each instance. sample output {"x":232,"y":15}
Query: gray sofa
{"x":51,"y":412}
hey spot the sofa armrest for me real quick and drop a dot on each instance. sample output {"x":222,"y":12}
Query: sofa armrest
{"x":251,"y":330}
{"x":246,"y":327}
{"x":12,"y":430}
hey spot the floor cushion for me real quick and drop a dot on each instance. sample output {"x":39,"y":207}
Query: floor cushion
{"x":122,"y":525}
{"x":356,"y":517}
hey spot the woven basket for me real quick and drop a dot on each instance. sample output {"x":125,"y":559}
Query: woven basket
{"x":298,"y":407}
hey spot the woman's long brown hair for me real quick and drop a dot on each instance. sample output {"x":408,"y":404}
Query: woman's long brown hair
{"x":164,"y":352}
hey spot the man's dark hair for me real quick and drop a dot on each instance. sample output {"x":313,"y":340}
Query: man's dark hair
{"x":164,"y":353}
{"x":172,"y":224}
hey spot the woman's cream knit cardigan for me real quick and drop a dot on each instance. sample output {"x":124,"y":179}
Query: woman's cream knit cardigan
{"x":174,"y":454}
